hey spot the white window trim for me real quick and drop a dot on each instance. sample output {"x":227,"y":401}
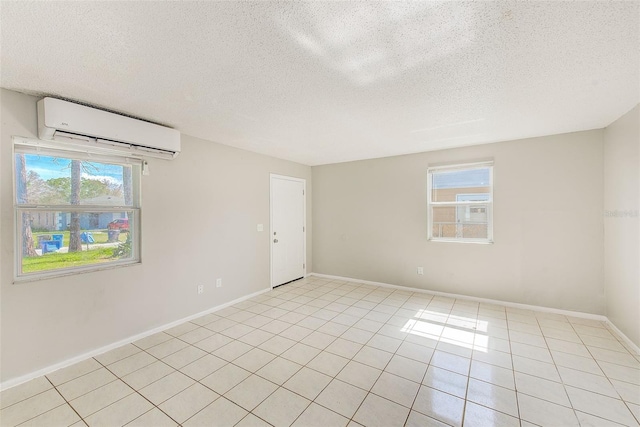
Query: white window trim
{"x":431,"y":204}
{"x":31,"y":146}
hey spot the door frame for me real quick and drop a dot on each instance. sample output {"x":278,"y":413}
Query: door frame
{"x":273,"y":176}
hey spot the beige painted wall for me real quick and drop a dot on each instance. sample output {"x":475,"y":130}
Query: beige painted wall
{"x":199,"y":218}
{"x":370,"y":223}
{"x":621,"y":223}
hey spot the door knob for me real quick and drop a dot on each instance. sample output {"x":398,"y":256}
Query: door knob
{"x":275,"y":240}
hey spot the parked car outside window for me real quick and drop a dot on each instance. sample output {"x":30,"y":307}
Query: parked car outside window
{"x":121,"y":224}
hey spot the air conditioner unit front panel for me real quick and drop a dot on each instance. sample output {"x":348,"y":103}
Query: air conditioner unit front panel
{"x":57,"y":115}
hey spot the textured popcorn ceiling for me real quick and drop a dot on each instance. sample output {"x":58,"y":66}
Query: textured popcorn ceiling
{"x":320,"y":82}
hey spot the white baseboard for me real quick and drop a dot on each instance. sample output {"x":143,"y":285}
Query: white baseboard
{"x":44,"y":371}
{"x":580,"y":314}
{"x":626,"y":339}
{"x":470,"y":298}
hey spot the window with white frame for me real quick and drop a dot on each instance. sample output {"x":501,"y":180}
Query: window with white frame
{"x":460,"y":203}
{"x":74,"y":211}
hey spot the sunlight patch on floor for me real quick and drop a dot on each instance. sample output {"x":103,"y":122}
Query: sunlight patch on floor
{"x":458,"y":330}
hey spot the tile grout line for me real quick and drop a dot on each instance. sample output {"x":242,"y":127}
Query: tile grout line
{"x":564,"y":386}
{"x":466,"y":394}
{"x":624,"y":402}
{"x":53,"y":387}
{"x":134,"y":390}
{"x":381,"y":372}
{"x":66,"y":401}
{"x":27,"y":398}
{"x":421,"y":384}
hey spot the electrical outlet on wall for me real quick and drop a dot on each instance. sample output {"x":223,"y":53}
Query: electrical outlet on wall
{"x":420,"y":271}
{"x":200,"y":289}
{"x":218,"y":283}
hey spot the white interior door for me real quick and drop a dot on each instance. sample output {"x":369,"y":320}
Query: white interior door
{"x":287,"y":229}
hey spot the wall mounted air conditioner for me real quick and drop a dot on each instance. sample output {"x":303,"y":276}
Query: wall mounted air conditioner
{"x":83,"y":128}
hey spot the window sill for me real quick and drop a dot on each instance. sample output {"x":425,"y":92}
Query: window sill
{"x":476,"y":242}
{"x":35,"y":277}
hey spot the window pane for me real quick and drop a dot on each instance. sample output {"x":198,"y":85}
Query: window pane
{"x":49,"y":241}
{"x":461,"y":185}
{"x":48,"y":180}
{"x":461,"y":221}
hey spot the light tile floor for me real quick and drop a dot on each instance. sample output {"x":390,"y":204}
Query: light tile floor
{"x":332,"y":353}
